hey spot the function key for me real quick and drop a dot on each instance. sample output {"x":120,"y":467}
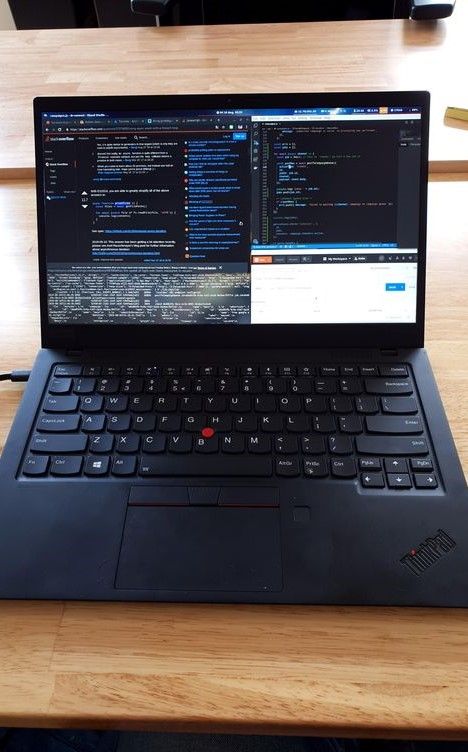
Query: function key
{"x":189,"y":371}
{"x":372,"y":480}
{"x":398,"y":480}
{"x":130,"y":370}
{"x":421,"y":465}
{"x":249,"y":370}
{"x":268,"y":370}
{"x":329,"y":371}
{"x":110,"y":370}
{"x":349,"y":371}
{"x":369,"y":463}
{"x":395,"y":465}
{"x":91,"y":370}
{"x":35,"y":465}
{"x":67,"y":370}
{"x":226,"y":370}
{"x":208,"y":370}
{"x":399,"y":370}
{"x":60,"y":386}
{"x":170,"y":370}
{"x":305,"y":371}
{"x":287,"y":370}
{"x":425,"y":480}
{"x":369,"y":370}
{"x":149,"y":371}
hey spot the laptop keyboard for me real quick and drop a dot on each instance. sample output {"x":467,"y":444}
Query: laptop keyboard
{"x":343,"y":422}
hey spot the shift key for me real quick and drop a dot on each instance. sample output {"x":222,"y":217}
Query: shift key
{"x":58,"y":443}
{"x":390,"y":445}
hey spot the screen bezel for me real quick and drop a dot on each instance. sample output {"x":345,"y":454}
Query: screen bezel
{"x":382,"y":335}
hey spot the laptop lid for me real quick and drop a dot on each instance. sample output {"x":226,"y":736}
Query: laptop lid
{"x":249,"y":220}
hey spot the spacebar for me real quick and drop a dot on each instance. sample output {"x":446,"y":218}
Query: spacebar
{"x":214,"y":465}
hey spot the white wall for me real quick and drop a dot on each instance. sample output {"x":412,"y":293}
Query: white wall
{"x":6,"y":19}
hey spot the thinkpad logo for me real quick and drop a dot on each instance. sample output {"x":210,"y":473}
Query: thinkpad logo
{"x":428,"y":552}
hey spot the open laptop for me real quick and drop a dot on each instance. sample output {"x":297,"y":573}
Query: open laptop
{"x":232,"y":402}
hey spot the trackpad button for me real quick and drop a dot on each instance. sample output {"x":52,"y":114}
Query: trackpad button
{"x":204,"y":548}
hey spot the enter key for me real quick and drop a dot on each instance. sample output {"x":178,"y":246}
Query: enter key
{"x":394,"y":424}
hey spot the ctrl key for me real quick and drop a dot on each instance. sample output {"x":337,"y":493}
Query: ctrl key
{"x":35,"y":465}
{"x":66,"y":465}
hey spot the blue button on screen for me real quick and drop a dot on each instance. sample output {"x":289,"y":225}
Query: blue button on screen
{"x":395,"y":286}
{"x":239,"y":136}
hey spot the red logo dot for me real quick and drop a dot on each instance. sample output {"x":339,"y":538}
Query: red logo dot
{"x":207,"y":433}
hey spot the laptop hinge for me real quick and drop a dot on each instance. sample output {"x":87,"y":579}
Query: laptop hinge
{"x":389,"y":352}
{"x":74,"y":353}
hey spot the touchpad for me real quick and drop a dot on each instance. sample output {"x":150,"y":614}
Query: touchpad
{"x":200,"y":548}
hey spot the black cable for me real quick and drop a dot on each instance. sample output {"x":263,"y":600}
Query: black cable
{"x":15,"y":376}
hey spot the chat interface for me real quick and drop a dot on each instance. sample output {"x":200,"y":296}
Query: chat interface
{"x":232,"y":216}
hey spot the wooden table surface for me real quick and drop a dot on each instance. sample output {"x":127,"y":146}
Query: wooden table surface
{"x":376,"y":672}
{"x":334,"y":56}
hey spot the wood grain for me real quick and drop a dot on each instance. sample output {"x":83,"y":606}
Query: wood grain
{"x":353,"y":55}
{"x":383,"y":672}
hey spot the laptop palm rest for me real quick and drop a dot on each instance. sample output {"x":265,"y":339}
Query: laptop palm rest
{"x":200,"y":548}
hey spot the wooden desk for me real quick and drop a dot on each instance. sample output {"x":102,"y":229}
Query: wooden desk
{"x":277,"y":57}
{"x":257,"y":669}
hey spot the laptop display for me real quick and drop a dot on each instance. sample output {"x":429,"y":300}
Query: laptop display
{"x":232,"y":216}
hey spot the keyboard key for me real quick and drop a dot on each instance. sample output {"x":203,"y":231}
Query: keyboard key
{"x":94,"y":467}
{"x":141,"y":403}
{"x":329,"y":371}
{"x":340,"y":445}
{"x":130,"y":371}
{"x":315,"y":405}
{"x":399,"y":405}
{"x":35,"y":466}
{"x":58,"y":443}
{"x":66,"y":465}
{"x":92,"y":404}
{"x":393,"y":424}
{"x":67,"y":370}
{"x":325,"y":386}
{"x":60,"y":386}
{"x":306,"y":370}
{"x":272,"y":423}
{"x":116,"y":404}
{"x":312,"y":445}
{"x":343,"y":468}
{"x":298,"y":423}
{"x":367,"y":405}
{"x":275,"y":386}
{"x":101,"y":443}
{"x":349,"y":371}
{"x":351,"y":386}
{"x":179,"y":385}
{"x":240,"y":404}
{"x":232,"y":443}
{"x":58,"y":423}
{"x":265,"y":403}
{"x":192,"y":404}
{"x":350,"y":424}
{"x":170,"y":370}
{"x":127,"y":443}
{"x":166,"y":403}
{"x":180,"y":443}
{"x":220,"y":422}
{"x":214,"y":404}
{"x":301,"y":386}
{"x":315,"y":467}
{"x":425,"y":480}
{"x":323,"y":423}
{"x":395,"y":465}
{"x":132,"y":385}
{"x":215,"y":465}
{"x":60,"y":404}
{"x":398,"y":480}
{"x":194,"y":423}
{"x":204,"y":385}
{"x":399,"y":370}
{"x":368,"y":370}
{"x":341,"y":404}
{"x":156,"y":385}
{"x":372,"y":480}
{"x":110,"y":370}
{"x":206,"y":446}
{"x":287,"y":466}
{"x":287,"y":370}
{"x":189,"y":371}
{"x":108,"y":386}
{"x":118,"y":423}
{"x":268,"y":370}
{"x":286,"y":444}
{"x":388,"y":386}
{"x":170,"y":423}
{"x":289,"y":405}
{"x":258,"y":444}
{"x":93,"y":423}
{"x":249,"y":370}
{"x":91,"y":370}
{"x":227,"y":370}
{"x":251,"y":386}
{"x":390,"y":445}
{"x":247,"y":423}
{"x":421,"y":465}
{"x":369,"y":463}
{"x":154,"y":443}
{"x":144,"y":423}
{"x":124,"y":466}
{"x":150,"y":371}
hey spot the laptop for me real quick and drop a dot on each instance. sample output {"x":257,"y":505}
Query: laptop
{"x":232,"y":402}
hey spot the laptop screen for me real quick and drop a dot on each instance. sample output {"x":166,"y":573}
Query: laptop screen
{"x":232,"y":216}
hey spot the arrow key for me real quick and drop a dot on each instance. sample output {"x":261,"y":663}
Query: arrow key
{"x":372,"y":480}
{"x":425,"y":480}
{"x":395,"y":465}
{"x":398,"y":480}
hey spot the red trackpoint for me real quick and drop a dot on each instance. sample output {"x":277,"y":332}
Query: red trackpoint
{"x":207,"y":432}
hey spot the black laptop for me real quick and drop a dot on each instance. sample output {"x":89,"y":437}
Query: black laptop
{"x":232,"y":402}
